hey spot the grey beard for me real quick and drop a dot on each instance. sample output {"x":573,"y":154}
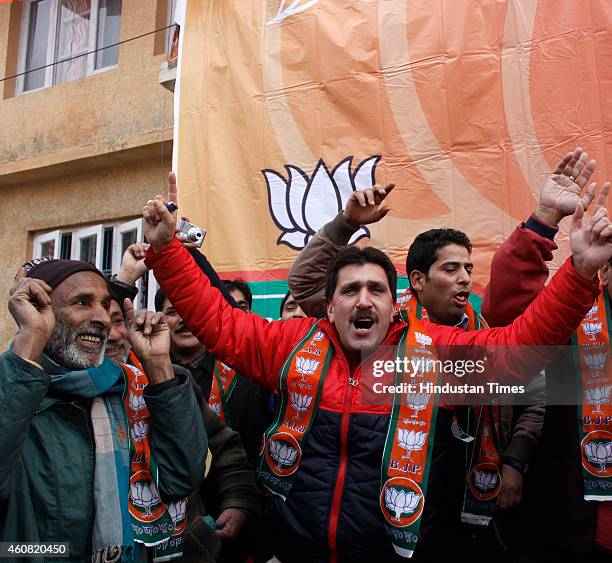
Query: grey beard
{"x":62,"y":347}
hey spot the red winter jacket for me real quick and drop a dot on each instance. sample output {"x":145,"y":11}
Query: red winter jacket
{"x":333,"y":507}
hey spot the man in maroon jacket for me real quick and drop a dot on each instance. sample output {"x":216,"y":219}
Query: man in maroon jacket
{"x":326,"y":464}
{"x":564,"y":526}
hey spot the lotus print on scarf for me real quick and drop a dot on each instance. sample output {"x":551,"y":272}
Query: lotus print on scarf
{"x":177,"y":511}
{"x":301,"y":205}
{"x":411,"y":440}
{"x":591,"y":329}
{"x":599,"y":453}
{"x":485,"y":480}
{"x":305,"y":366}
{"x":137,"y":402}
{"x":418,"y":402}
{"x":595,"y":362}
{"x":300,"y":402}
{"x":144,"y":495}
{"x":401,"y":502}
{"x":139,"y":430}
{"x":598,"y":396}
{"x":282,"y":453}
{"x":318,"y":337}
{"x":215,"y":407}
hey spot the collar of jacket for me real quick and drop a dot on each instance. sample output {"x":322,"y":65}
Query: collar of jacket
{"x":392,"y":337}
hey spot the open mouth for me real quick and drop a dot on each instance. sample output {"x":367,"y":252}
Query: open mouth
{"x":90,"y":341}
{"x":363,"y":325}
{"x":461,"y":298}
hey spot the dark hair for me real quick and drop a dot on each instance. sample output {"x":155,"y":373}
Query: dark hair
{"x":423,"y":252}
{"x":280,"y":313}
{"x":160,"y":297}
{"x":241,"y":286}
{"x":360,"y":256}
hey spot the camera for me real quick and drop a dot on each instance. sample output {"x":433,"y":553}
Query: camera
{"x":190,"y":233}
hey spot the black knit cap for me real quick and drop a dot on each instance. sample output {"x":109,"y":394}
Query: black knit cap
{"x":54,"y":272}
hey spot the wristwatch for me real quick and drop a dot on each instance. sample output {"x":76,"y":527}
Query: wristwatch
{"x":516,"y":464}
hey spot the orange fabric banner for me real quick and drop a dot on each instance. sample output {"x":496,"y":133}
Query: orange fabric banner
{"x":285,"y":107}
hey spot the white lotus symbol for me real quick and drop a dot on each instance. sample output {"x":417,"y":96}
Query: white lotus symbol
{"x":144,"y":495}
{"x":306,"y":366}
{"x":401,"y":502}
{"x":599,"y":453}
{"x":418,"y":402}
{"x":282,"y":453}
{"x":591,"y":329}
{"x":294,"y":8}
{"x":215,"y":407}
{"x":137,"y":402}
{"x":485,"y":480}
{"x":318,"y":336}
{"x":411,"y":440}
{"x":300,"y":402}
{"x":422,"y":339}
{"x":177,"y":511}
{"x":139,"y":431}
{"x":595,"y":362}
{"x":300,"y":205}
{"x":592,"y":312}
{"x":598,"y":396}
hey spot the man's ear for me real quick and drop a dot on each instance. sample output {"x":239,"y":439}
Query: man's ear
{"x":330,"y":311}
{"x":417,"y":280}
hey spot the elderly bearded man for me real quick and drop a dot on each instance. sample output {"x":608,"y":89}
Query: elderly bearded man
{"x":95,"y":454}
{"x":339,"y":495}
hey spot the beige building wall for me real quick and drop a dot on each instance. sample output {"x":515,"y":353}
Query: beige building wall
{"x":85,"y":152}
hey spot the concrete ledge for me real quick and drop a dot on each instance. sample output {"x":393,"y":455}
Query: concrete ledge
{"x":167,"y":76}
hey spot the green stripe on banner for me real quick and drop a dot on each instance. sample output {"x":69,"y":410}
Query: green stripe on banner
{"x":267,"y":296}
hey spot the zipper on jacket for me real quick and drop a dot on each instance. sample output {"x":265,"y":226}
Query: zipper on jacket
{"x":350,"y":384}
{"x":332,"y":530}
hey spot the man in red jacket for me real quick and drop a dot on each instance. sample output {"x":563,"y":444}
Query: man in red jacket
{"x":344,"y":490}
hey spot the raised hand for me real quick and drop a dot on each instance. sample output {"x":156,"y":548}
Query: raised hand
{"x":159,"y":223}
{"x":30,"y":306}
{"x":591,"y":237}
{"x":363,"y":208}
{"x":149,"y":337}
{"x":561,"y":192}
{"x":132,"y":263}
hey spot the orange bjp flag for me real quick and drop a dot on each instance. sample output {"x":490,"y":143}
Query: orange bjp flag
{"x":285,"y":107}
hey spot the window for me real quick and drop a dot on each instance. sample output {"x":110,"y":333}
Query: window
{"x":64,"y":34}
{"x":103,"y":246}
{"x":170,"y":22}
